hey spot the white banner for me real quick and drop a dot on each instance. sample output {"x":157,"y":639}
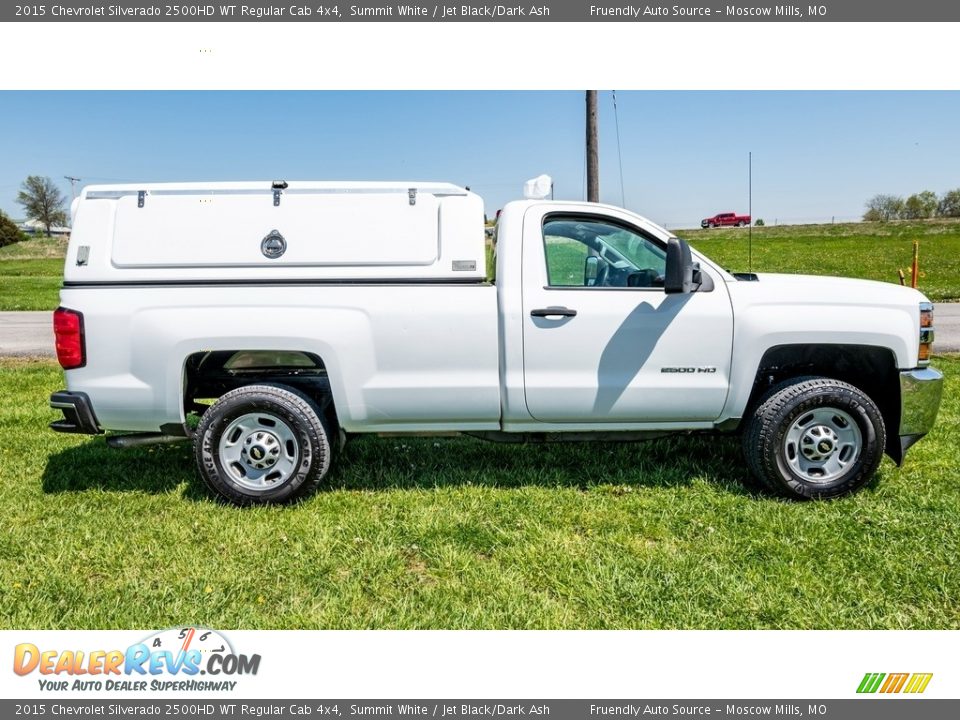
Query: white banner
{"x":187,"y":661}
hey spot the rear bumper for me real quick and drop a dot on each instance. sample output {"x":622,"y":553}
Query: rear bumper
{"x":920,"y":393}
{"x":78,"y":416}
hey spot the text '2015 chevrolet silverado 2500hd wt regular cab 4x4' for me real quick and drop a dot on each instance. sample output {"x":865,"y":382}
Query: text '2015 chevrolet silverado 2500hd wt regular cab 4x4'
{"x":290,"y":316}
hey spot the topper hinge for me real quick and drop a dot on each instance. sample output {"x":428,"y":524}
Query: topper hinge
{"x":412,"y":196}
{"x":277,"y":186}
{"x":141,"y":196}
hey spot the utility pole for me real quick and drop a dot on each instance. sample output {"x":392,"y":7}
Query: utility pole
{"x":593,"y":149}
{"x":73,"y":185}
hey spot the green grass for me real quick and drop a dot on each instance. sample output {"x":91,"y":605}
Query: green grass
{"x":874,"y":251}
{"x":423,"y":533}
{"x":31,"y":273}
{"x":36,"y":247}
{"x":30,"y":284}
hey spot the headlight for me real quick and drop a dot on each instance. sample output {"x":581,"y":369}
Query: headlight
{"x":926,"y":334}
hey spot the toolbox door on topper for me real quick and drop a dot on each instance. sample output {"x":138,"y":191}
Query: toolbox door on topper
{"x":231,"y":229}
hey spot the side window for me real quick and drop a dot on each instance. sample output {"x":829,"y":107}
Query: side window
{"x":595,"y":252}
{"x":566,"y":258}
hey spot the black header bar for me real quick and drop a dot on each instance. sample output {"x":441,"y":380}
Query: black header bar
{"x":223,"y":707}
{"x":314,"y":11}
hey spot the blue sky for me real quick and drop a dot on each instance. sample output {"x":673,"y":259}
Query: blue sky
{"x":816,"y":155}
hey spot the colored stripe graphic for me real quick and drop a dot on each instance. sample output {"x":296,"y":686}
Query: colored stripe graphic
{"x":894,"y":683}
{"x":918,"y":682}
{"x":870,"y":682}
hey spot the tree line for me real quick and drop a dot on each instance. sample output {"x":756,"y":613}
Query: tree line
{"x":919,"y":206}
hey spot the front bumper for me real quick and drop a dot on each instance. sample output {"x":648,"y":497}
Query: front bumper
{"x":920,"y":393}
{"x":77,"y":411}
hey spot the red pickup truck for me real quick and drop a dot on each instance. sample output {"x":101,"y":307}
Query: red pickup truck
{"x":725,"y":220}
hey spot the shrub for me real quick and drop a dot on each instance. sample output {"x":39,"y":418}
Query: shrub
{"x":949,"y":204}
{"x":9,"y":232}
{"x":919,"y":206}
{"x":759,"y":222}
{"x":881,"y":208}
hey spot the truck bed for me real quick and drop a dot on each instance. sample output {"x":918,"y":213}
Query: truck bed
{"x":413,"y":357}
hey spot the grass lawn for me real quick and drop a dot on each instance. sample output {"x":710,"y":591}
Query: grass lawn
{"x":31,"y":271}
{"x":30,"y":284}
{"x":873,"y":251}
{"x":423,"y":533}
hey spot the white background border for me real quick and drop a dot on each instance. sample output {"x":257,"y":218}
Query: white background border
{"x":560,"y":664}
{"x":455,"y":56}
{"x":556,"y":664}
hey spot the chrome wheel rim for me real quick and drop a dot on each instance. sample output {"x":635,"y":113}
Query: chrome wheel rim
{"x":820,"y":445}
{"x":259,"y":451}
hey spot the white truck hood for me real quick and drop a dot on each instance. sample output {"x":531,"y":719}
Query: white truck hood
{"x":783,"y":289}
{"x":804,"y":309}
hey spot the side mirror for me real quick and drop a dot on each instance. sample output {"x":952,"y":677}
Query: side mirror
{"x":679,"y":275}
{"x":591,"y":269}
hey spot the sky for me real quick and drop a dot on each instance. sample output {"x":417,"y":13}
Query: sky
{"x":684,"y":154}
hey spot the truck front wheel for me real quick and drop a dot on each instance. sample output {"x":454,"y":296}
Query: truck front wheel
{"x":262,"y":444}
{"x":814,"y":438}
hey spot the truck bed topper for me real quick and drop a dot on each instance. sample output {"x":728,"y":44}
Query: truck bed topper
{"x":277,"y":230}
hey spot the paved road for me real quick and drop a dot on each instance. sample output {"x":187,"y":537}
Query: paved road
{"x":26,"y":334}
{"x":30,"y":333}
{"x":946,"y":318}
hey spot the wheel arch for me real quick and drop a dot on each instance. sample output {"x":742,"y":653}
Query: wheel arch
{"x":870,"y":368}
{"x":210,"y":374}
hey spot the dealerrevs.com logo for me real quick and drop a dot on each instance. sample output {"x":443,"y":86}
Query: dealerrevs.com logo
{"x":178,"y":659}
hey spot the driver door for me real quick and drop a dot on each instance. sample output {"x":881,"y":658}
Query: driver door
{"x":603,"y":342}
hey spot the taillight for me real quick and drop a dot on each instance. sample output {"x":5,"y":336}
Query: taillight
{"x":68,"y":332}
{"x":926,"y":333}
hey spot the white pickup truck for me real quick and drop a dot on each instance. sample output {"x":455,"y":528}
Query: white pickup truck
{"x":289,"y":316}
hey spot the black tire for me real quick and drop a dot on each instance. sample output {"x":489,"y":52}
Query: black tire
{"x":278,"y":451}
{"x":796,"y":439}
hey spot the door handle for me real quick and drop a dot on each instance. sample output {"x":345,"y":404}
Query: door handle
{"x":553,"y":311}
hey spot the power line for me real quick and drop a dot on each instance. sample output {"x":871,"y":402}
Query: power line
{"x":583,"y":175}
{"x":616,"y":121}
{"x":73,"y":185}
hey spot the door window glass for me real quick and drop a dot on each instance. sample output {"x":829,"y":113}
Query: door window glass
{"x":593,"y":252}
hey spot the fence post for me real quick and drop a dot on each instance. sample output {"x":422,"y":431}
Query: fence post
{"x":915,"y":267}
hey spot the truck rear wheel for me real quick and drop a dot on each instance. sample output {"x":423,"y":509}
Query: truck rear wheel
{"x":263,"y":444}
{"x":814,"y":438}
